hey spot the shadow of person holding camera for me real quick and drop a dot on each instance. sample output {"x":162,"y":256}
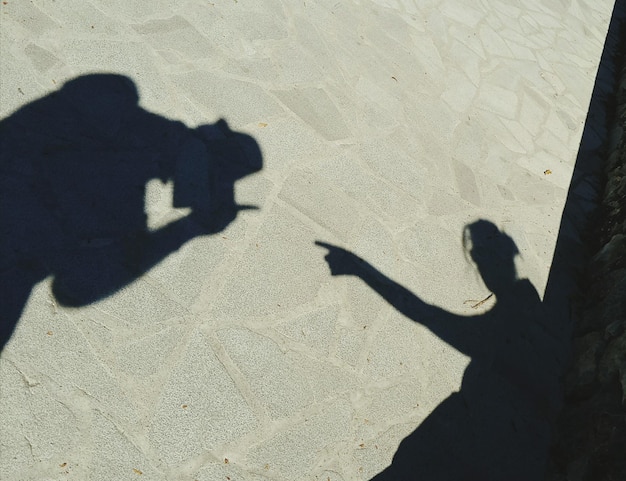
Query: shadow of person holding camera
{"x":73,"y":172}
{"x":498,"y":425}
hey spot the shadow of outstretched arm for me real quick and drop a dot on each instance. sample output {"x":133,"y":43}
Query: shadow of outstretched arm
{"x":463,"y":333}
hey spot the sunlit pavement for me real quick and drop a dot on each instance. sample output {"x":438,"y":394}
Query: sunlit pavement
{"x":383,"y":127}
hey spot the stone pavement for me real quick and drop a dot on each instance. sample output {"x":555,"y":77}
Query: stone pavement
{"x":155,"y":334}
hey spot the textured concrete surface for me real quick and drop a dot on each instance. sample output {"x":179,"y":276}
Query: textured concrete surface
{"x":384,"y":127}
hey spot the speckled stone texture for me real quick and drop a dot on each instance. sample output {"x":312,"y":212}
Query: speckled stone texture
{"x":166,"y":169}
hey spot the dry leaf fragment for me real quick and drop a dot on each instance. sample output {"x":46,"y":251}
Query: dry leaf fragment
{"x":476,"y":304}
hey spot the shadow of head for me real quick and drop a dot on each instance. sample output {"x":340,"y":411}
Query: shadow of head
{"x":107,"y":103}
{"x":493,"y":252}
{"x":102,"y":101}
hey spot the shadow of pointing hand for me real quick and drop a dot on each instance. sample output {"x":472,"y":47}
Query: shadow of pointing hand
{"x":340,"y":261}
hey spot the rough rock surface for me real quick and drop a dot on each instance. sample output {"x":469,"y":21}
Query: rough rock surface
{"x":592,"y":427}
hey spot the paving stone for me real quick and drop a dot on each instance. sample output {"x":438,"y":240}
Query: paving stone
{"x":199,"y":408}
{"x":385,"y":127}
{"x":299,"y":448}
{"x":315,"y":330}
{"x":274,"y":381}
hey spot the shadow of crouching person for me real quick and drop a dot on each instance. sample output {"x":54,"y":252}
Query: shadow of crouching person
{"x":73,"y":172}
